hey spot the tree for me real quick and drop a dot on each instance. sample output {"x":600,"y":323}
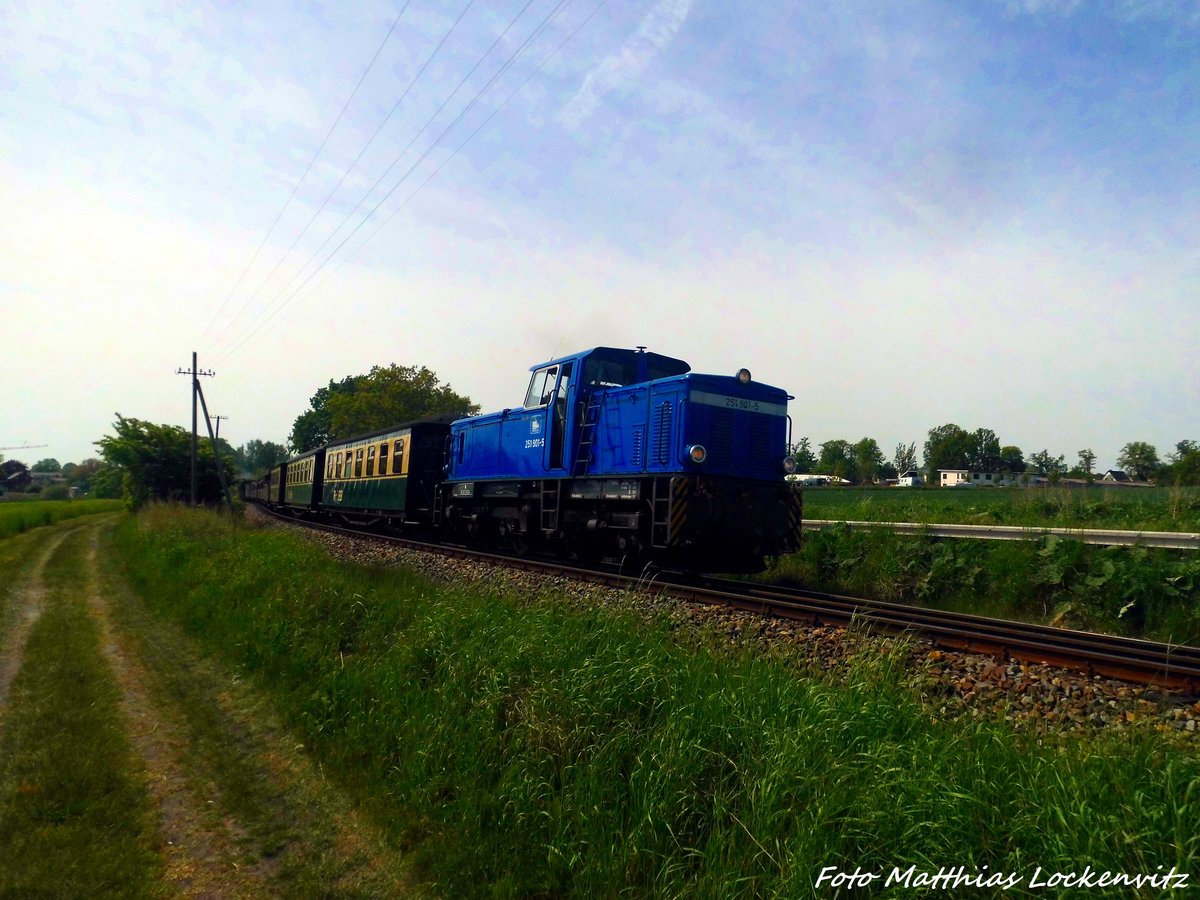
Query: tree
{"x":1183,"y":449}
{"x":364,"y":403}
{"x":948,"y":447}
{"x":868,"y":460}
{"x":1087,"y":460}
{"x":838,"y":459}
{"x":804,"y":456}
{"x":107,"y":484}
{"x":46,"y":465}
{"x":255,"y":457}
{"x":155,"y":462}
{"x":1051,"y":466}
{"x":1186,"y":469}
{"x":314,"y":426}
{"x":985,"y":451}
{"x":81,"y":476}
{"x":1139,"y":458}
{"x":1012,"y":460}
{"x":906,"y":457}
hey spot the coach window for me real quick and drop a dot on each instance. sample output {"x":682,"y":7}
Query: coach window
{"x":370,"y":460}
{"x":347,"y":463}
{"x":383,"y":458}
{"x":358,"y":461}
{"x":398,"y":457}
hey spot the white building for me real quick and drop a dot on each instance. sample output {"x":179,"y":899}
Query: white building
{"x":965,"y":477}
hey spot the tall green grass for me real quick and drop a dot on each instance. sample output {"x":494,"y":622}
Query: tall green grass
{"x":16,"y":518}
{"x":1117,"y":590}
{"x":521,"y":746}
{"x":1138,"y":509}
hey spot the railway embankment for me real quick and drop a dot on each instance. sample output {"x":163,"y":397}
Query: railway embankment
{"x":528,"y":735}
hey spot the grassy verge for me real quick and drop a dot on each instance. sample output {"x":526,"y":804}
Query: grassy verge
{"x":521,"y":746}
{"x":16,"y":518}
{"x":74,"y":816}
{"x":1138,"y":509}
{"x":1117,"y":590}
{"x":291,"y":834}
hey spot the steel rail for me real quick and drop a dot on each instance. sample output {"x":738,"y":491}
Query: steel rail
{"x":1171,"y":540}
{"x":1172,"y":666}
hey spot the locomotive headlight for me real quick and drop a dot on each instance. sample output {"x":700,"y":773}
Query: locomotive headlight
{"x":789,"y":465}
{"x":697,"y":454}
{"x":743,"y":376}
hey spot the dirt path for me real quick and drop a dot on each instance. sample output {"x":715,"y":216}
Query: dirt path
{"x":242,"y":811}
{"x":22,"y":609}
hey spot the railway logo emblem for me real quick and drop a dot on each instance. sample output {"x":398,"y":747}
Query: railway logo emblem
{"x":535,"y":426}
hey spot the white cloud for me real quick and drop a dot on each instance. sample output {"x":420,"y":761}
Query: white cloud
{"x":655,"y":33}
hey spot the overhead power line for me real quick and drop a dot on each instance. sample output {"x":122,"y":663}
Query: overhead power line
{"x":307,"y":169}
{"x":254,"y":329}
{"x":379,"y":227}
{"x":349,"y":168}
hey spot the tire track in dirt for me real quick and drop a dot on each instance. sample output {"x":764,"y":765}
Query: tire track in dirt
{"x":199,"y":860}
{"x":208,"y":852}
{"x":24,"y":606}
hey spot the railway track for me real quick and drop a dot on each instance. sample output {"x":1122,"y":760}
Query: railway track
{"x":1176,"y":667}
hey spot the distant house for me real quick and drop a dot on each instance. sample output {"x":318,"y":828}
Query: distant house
{"x":968,"y":478}
{"x":45,"y":479}
{"x":15,"y":477}
{"x":1121,"y":478}
{"x":911,"y":478}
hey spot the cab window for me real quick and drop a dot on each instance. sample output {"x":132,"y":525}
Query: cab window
{"x":541,"y":387}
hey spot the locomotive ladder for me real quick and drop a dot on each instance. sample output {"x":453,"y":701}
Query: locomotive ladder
{"x":587,"y":434}
{"x":661,"y":508}
{"x":551,"y":492}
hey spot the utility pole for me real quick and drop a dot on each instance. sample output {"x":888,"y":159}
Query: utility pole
{"x":216,"y":456}
{"x":195,"y":372}
{"x":218,"y":419}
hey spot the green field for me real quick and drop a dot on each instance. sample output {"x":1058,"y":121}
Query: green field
{"x":526,"y":746}
{"x":1142,"y":509}
{"x":18,"y":517}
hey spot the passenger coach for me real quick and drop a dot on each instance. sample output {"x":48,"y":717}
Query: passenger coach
{"x":388,"y":476}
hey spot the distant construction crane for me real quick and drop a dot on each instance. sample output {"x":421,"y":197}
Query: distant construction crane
{"x":25,"y":447}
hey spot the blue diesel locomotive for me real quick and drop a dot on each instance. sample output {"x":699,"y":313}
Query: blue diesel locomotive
{"x":629,"y":454}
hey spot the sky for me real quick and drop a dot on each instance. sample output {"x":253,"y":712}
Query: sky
{"x":905,"y":213}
